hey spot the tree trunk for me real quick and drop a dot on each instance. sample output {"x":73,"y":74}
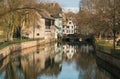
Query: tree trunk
{"x":11,"y":37}
{"x":100,"y":36}
{"x":33,"y":32}
{"x":114,"y":40}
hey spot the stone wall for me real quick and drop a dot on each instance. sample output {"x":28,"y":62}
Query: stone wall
{"x":16,"y":47}
{"x":109,"y":58}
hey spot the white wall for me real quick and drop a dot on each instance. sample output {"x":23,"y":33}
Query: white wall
{"x":71,"y":29}
{"x":38,"y":32}
{"x":34,"y":30}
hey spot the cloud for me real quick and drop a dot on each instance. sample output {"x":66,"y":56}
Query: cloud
{"x":73,"y":9}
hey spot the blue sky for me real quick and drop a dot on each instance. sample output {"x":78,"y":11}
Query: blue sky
{"x":71,"y":5}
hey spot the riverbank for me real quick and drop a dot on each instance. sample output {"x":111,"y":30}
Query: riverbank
{"x":108,"y":58}
{"x":108,"y":62}
{"x":107,"y":47}
{"x":106,"y":65}
{"x":12,"y":47}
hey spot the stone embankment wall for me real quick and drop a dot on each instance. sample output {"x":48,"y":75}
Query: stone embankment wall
{"x":109,"y":58}
{"x":16,"y":47}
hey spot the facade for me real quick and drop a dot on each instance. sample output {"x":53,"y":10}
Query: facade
{"x":69,"y":28}
{"x":58,"y":25}
{"x":36,"y":30}
{"x":39,"y":61}
{"x":43,"y":27}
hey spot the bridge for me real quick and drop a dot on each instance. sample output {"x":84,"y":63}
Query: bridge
{"x":71,"y":37}
{"x":76,"y":37}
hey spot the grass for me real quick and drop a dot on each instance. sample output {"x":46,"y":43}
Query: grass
{"x":108,"y":48}
{"x":16,"y":41}
{"x":1,"y":36}
{"x":104,"y":46}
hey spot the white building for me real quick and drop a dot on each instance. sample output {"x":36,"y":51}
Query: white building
{"x":69,"y":50}
{"x":69,"y":28}
{"x":58,"y":24}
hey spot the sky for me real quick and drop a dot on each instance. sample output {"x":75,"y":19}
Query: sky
{"x":69,"y":5}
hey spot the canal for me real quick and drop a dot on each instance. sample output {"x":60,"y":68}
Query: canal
{"x":53,"y":61}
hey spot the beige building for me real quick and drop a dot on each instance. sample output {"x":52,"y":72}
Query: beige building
{"x":42,"y":28}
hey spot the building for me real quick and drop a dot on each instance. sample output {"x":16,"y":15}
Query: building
{"x":58,"y":25}
{"x":42,"y":28}
{"x":69,"y":28}
{"x":59,"y":52}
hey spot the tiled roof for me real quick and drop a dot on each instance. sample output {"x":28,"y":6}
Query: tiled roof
{"x":45,"y":15}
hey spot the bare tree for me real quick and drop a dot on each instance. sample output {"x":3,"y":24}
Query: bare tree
{"x":13,"y":13}
{"x":103,"y":16}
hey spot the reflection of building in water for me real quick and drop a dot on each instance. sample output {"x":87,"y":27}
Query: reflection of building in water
{"x":58,"y":50}
{"x":69,"y":50}
{"x":86,"y":48}
{"x":37,"y":62}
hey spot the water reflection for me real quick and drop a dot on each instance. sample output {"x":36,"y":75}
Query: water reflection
{"x":69,"y":50}
{"x":54,"y":61}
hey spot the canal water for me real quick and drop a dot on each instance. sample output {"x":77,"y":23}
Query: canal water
{"x":53,"y":61}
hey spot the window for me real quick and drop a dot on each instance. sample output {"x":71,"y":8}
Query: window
{"x":67,"y":51}
{"x":72,"y":31}
{"x":67,"y":31}
{"x":72,"y":51}
{"x":72,"y":26}
{"x":69,"y":22}
{"x":67,"y":26}
{"x":27,"y":34}
{"x":38,"y":26}
{"x":47,"y":23}
{"x":38,"y":34}
{"x":118,"y":33}
{"x":53,"y":22}
{"x":63,"y":30}
{"x":75,"y":31}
